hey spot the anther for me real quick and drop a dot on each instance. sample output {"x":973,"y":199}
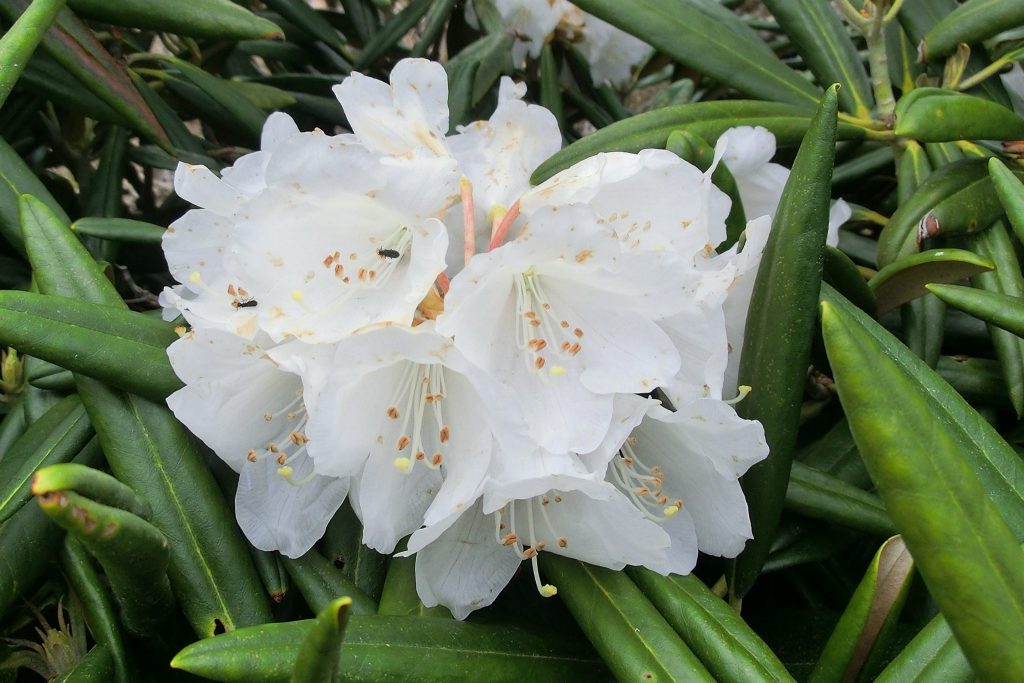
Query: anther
{"x":742,"y":394}
{"x":538,"y":363}
{"x":562,"y":542}
{"x":445,"y":434}
{"x":393,"y":413}
{"x":251,"y":456}
{"x":403,"y":442}
{"x":436,"y":460}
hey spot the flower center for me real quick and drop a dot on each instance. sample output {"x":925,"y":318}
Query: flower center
{"x":643,"y":485}
{"x":420,"y":393}
{"x":506,"y":534}
{"x":289,"y":443}
{"x":546,"y":340}
{"x":374,"y":270}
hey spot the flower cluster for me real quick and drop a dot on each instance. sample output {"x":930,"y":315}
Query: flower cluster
{"x":492,"y":370}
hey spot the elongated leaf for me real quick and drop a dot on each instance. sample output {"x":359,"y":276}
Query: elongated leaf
{"x":701,"y":38}
{"x":54,"y":438}
{"x":841,"y":272}
{"x":905,"y":279}
{"x":342,"y":544}
{"x":392,"y":32}
{"x":818,"y":495}
{"x":320,"y":582}
{"x":318,"y":657}
{"x":1010,"y":191}
{"x":821,"y":38}
{"x":779,"y":329}
{"x":210,"y":569}
{"x":631,"y":636}
{"x":961,"y":544}
{"x":995,"y":244}
{"x":972,"y":22}
{"x":91,"y":483}
{"x":932,"y":655}
{"x":1002,"y":310}
{"x":29,"y":542}
{"x":246,"y":116}
{"x":869,"y":617}
{"x":100,"y":612}
{"x":90,"y":339}
{"x":76,"y":48}
{"x":707,"y":120}
{"x":217,"y":19}
{"x":380,"y":649}
{"x":713,"y":630}
{"x":989,"y":457}
{"x":133,"y":554}
{"x":955,"y":116}
{"x":919,"y":16}
{"x":399,"y":594}
{"x":306,"y":19}
{"x":119,"y":230}
{"x":20,"y":41}
{"x":957,"y":198}
{"x":16,"y":179}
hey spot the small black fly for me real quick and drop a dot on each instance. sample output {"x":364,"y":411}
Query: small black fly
{"x":249,"y":303}
{"x":387,"y":253}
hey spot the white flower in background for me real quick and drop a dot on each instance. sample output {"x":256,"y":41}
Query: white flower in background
{"x":760,"y":182}
{"x":404,"y":414}
{"x":251,"y":413}
{"x":612,"y":53}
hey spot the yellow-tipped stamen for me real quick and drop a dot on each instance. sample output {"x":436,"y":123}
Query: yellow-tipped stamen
{"x":670,"y":511}
{"x":297,"y":295}
{"x":742,"y":394}
{"x":496,"y":215}
{"x":548,"y":590}
{"x":402,"y":464}
{"x":557,"y":371}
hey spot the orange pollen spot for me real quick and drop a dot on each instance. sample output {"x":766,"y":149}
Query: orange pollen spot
{"x":353,"y":256}
{"x":251,"y":456}
{"x":231,"y":290}
{"x":273,"y":448}
{"x":663,"y":500}
{"x":242,"y":293}
{"x":509,"y":539}
{"x":393,"y":413}
{"x":544,"y":500}
{"x":530,"y":314}
{"x":338,"y":270}
{"x":373,"y":275}
{"x":642,"y":491}
{"x":538,"y":363}
{"x":403,"y":442}
{"x":628,"y":461}
{"x":564,"y":324}
{"x":578,"y":332}
{"x":575,"y":348}
{"x":538,"y":344}
{"x":679,"y":503}
{"x":445,"y":434}
{"x":281,"y":459}
{"x":420,"y":455}
{"x":362,"y":274}
{"x":345,"y":279}
{"x":298,"y":438}
{"x":565,"y":346}
{"x":546,"y":307}
{"x":535,"y":323}
{"x":529,"y":553}
{"x":562,"y":542}
{"x":328,"y":261}
{"x":268,"y":417}
{"x":558,"y":499}
{"x":436,"y":460}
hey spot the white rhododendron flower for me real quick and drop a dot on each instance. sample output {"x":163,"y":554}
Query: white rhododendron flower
{"x":395,"y":317}
{"x":611,"y":53}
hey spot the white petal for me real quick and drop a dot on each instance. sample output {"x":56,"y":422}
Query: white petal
{"x":277,"y":129}
{"x":411,"y":113}
{"x":838,"y":214}
{"x":277,"y":515}
{"x":199,"y":185}
{"x":464,"y":568}
{"x":391,"y":503}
